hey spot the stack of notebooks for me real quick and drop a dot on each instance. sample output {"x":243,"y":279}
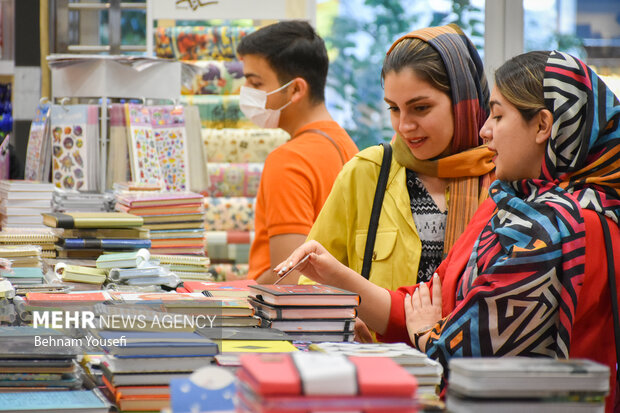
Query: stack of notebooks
{"x":187,"y":267}
{"x":79,"y":277}
{"x":25,"y":265}
{"x":77,"y":401}
{"x":138,"y":373}
{"x":523,"y":384}
{"x":87,"y":235}
{"x":65,"y":200}
{"x":45,"y":238}
{"x":309,"y":312}
{"x":38,"y":359}
{"x":427,"y":371}
{"x":303,"y":381}
{"x":175,"y":219}
{"x":23,"y":202}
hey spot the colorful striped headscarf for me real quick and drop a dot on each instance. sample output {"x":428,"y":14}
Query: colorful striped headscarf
{"x":519,"y":292}
{"x":469,"y":163}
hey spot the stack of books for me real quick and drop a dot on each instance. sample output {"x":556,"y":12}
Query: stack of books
{"x":23,"y":202}
{"x":308,"y":381}
{"x":175,"y":219}
{"x":426,"y":371}
{"x":45,"y":238}
{"x":87,"y":235}
{"x":138,"y":372}
{"x":187,"y":267}
{"x":64,"y":200}
{"x":38,"y":359}
{"x":309,"y":312}
{"x":25,"y":265}
{"x":524,"y":384}
{"x":78,"y":401}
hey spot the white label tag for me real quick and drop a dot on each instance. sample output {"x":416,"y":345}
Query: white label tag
{"x":326,"y":374}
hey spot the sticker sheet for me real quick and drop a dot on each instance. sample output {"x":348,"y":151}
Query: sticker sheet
{"x":75,"y":146}
{"x":144,"y":157}
{"x":38,"y":153}
{"x":169,"y":132}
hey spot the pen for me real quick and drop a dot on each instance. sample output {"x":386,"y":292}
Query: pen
{"x":304,"y":259}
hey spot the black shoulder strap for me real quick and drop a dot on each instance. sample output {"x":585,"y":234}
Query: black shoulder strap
{"x":611,"y":276}
{"x":320,"y":132}
{"x":376,"y":209}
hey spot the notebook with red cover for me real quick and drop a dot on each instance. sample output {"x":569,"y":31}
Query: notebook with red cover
{"x":236,"y":288}
{"x":303,"y":295}
{"x":281,"y":375}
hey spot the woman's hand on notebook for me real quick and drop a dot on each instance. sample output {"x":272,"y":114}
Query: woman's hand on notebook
{"x":320,"y":266}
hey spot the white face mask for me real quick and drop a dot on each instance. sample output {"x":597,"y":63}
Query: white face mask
{"x":252,"y":103}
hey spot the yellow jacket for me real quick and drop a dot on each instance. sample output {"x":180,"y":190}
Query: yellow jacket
{"x":342,"y":224}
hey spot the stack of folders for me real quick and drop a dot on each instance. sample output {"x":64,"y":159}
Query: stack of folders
{"x":308,"y":312}
{"x":23,"y":202}
{"x":25,"y":264}
{"x":187,"y":267}
{"x":45,"y":238}
{"x":87,"y":235}
{"x":136,"y":268}
{"x":229,"y":247}
{"x":138,"y":372}
{"x":64,"y":200}
{"x":523,"y":384}
{"x":38,"y":359}
{"x":175,"y":219}
{"x":203,"y":311}
{"x":427,"y":371}
{"x":309,"y":381}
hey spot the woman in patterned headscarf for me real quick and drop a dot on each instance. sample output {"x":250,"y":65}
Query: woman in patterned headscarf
{"x":528,"y":277}
{"x":437,"y":96}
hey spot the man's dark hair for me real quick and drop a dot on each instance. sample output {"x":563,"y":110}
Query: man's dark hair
{"x":292,"y":49}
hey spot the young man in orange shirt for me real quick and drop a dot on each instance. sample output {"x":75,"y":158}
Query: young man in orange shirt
{"x":285,"y":66}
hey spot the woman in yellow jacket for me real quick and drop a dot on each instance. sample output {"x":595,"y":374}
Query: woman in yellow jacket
{"x":438,"y":98}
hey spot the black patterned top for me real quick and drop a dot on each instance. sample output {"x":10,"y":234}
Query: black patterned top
{"x":431,"y":225}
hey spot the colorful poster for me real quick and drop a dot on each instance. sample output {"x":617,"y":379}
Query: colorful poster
{"x":218,"y":111}
{"x":75,"y":147}
{"x":241,"y":145}
{"x":143,"y":154}
{"x":229,"y":214}
{"x":212,"y":77}
{"x":38,"y":154}
{"x":168,"y":126}
{"x":228,"y":179}
{"x":199,"y":42}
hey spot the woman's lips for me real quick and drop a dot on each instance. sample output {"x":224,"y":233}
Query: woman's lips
{"x":415,"y":142}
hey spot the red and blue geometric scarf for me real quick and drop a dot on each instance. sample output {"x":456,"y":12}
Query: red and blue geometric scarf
{"x":519,"y":292}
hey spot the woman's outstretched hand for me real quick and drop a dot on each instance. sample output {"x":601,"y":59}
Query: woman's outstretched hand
{"x":320,"y":266}
{"x":421,"y":311}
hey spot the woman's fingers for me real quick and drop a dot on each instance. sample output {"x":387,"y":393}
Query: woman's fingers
{"x":437,"y":300}
{"x":425,"y":294}
{"x":297,"y":255}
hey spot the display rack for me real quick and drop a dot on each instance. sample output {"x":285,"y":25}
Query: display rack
{"x":105,"y":77}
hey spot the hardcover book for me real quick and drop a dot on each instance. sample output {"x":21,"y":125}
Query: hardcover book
{"x":304,"y":295}
{"x":91,"y":220}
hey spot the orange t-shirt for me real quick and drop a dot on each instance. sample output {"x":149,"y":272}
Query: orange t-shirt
{"x":296,"y":180}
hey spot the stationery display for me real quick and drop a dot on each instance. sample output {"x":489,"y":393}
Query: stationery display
{"x":143,"y":154}
{"x":168,"y":124}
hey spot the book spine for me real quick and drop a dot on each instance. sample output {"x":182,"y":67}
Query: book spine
{"x":64,"y":221}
